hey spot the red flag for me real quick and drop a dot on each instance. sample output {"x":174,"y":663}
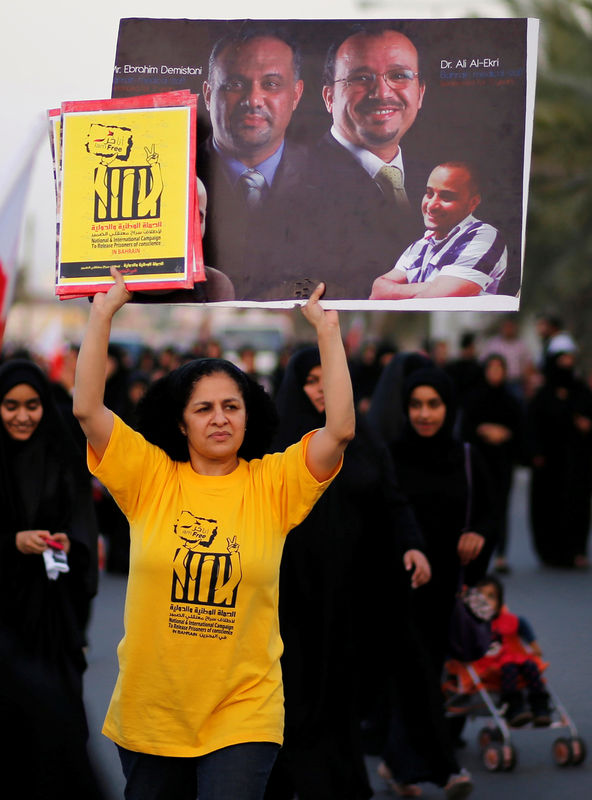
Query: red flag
{"x":15,"y":180}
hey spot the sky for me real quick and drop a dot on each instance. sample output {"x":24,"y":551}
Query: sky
{"x":64,"y":50}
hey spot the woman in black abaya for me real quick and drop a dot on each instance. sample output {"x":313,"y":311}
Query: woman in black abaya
{"x":455,"y":520}
{"x":338,"y":582}
{"x":45,"y":500}
{"x":431,"y":467}
{"x":560,"y":428}
{"x":493,"y":421}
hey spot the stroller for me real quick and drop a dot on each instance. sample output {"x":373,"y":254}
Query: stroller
{"x":469,"y":694}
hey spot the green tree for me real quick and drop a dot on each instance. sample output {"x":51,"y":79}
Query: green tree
{"x":558,"y":262}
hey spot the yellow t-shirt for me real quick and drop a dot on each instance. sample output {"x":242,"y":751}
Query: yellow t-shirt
{"x":199,"y":663}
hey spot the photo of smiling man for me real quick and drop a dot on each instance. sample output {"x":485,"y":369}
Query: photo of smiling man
{"x":459,"y":255}
{"x":373,"y":89}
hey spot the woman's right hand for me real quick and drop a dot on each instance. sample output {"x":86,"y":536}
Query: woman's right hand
{"x":32,"y":542}
{"x":111,"y":301}
{"x":316,"y":315}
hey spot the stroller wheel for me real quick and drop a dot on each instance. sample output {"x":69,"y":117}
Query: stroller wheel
{"x":488,"y":735}
{"x":563,"y":752}
{"x":510,"y":757}
{"x":499,"y":757}
{"x":578,"y":751}
{"x":493,"y":757}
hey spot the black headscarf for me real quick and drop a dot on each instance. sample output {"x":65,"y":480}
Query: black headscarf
{"x":386,"y":414}
{"x":297,"y":414}
{"x":494,"y":403}
{"x":558,"y":376}
{"x":442,"y":448}
{"x":23,"y":465}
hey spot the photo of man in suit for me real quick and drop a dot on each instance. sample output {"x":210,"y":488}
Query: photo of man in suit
{"x":373,"y":89}
{"x":253,"y":174}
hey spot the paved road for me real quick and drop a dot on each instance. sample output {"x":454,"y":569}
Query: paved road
{"x":557,"y":602}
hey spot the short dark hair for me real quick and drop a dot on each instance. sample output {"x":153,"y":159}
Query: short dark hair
{"x":467,"y":339}
{"x":160,"y":411}
{"x":367,"y":28}
{"x":255,"y":30}
{"x":475,"y":177}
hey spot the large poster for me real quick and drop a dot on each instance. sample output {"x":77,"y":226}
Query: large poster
{"x":387,"y":158}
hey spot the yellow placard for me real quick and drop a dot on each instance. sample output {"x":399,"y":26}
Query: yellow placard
{"x":125,"y":195}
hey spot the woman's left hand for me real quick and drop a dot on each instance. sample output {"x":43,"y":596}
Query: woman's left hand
{"x":469,"y":546}
{"x":61,"y":538}
{"x":493,"y":433}
{"x":416,"y":563}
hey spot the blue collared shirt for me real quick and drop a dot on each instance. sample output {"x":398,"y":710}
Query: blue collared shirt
{"x":235,"y":168}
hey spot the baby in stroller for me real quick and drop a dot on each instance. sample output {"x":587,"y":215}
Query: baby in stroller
{"x":519,"y":668}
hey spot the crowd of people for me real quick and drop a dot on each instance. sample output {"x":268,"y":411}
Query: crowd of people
{"x":398,"y":499}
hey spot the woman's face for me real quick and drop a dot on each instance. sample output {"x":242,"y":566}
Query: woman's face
{"x":427,"y":411}
{"x":215,"y":417}
{"x":495,"y":372}
{"x":566,"y":361}
{"x":21,"y":412}
{"x":313,"y":388}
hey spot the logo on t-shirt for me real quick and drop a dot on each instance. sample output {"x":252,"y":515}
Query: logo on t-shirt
{"x":200,"y":574}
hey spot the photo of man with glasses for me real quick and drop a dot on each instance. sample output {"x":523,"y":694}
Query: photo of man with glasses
{"x":373,"y":89}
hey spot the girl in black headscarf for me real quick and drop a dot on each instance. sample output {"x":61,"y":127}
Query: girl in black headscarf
{"x":493,"y":421}
{"x":432,"y":468}
{"x":453,"y":511}
{"x":46,"y":505}
{"x":560,"y":432}
{"x":342,"y":571}
{"x":386,"y":414}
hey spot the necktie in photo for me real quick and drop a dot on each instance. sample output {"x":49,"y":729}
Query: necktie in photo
{"x":252,"y":183}
{"x":390,"y":180}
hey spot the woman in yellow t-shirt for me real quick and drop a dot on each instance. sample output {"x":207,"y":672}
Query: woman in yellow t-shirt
{"x":198,"y":704}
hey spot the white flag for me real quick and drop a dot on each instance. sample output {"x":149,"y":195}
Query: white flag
{"x":14,"y":184}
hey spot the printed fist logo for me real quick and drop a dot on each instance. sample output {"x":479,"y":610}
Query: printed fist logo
{"x":200,"y":575}
{"x":123,"y":192}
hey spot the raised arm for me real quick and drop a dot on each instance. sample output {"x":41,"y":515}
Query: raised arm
{"x":328,"y":444}
{"x":89,"y":384}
